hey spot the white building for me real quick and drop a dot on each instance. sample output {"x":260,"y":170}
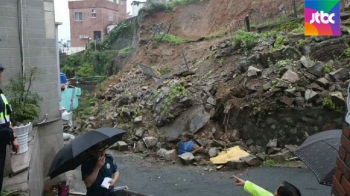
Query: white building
{"x":111,"y":27}
{"x":136,"y":6}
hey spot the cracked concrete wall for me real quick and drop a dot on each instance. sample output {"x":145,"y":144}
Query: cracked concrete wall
{"x":40,"y":50}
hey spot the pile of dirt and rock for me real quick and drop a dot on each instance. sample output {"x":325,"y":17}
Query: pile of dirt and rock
{"x":265,"y":92}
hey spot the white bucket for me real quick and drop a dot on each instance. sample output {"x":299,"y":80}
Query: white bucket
{"x":22,"y":136}
{"x":22,"y":129}
{"x":23,"y":143}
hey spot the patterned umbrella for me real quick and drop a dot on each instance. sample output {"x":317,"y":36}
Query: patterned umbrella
{"x":319,"y":152}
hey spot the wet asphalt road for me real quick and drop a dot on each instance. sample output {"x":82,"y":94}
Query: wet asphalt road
{"x":176,"y":180}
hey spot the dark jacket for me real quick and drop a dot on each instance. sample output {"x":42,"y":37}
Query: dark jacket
{"x":107,"y":170}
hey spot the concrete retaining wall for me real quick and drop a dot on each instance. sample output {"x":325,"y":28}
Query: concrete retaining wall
{"x":40,"y":50}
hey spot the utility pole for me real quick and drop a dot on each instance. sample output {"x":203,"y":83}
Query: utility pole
{"x":295,"y":9}
{"x":247,"y":23}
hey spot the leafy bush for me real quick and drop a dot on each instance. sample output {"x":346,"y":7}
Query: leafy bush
{"x":270,"y":162}
{"x":245,"y":39}
{"x":172,"y":39}
{"x":347,"y":52}
{"x":165,"y":70}
{"x":183,"y":2}
{"x":161,"y":7}
{"x":115,"y":33}
{"x":177,"y":91}
{"x":85,"y":70}
{"x":98,"y":62}
{"x":328,"y":103}
{"x":103,"y":61}
{"x":298,"y":30}
{"x":125,"y":51}
{"x":85,"y":103}
{"x":328,"y":68}
{"x":24,"y":103}
{"x":280,"y":41}
{"x":155,"y":7}
{"x":73,"y":60}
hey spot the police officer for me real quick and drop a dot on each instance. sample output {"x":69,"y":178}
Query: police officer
{"x":7,"y":136}
{"x":96,"y":168}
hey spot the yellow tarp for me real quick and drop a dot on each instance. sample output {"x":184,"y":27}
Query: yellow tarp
{"x":232,"y":154}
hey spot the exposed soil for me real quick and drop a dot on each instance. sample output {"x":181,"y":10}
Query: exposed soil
{"x":211,"y":17}
{"x":199,"y":20}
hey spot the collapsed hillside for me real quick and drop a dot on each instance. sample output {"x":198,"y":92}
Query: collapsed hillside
{"x":240,"y":88}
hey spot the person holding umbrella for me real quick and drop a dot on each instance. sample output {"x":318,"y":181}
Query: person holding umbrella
{"x":7,"y":136}
{"x":285,"y":189}
{"x":98,"y":167}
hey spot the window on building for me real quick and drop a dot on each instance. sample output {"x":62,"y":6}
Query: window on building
{"x":93,"y":13}
{"x":78,"y":16}
{"x":110,"y":17}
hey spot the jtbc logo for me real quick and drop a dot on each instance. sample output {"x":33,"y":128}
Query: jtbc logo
{"x":316,"y":17}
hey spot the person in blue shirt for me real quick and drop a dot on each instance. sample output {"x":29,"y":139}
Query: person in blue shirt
{"x":99,"y":166}
{"x":187,"y":145}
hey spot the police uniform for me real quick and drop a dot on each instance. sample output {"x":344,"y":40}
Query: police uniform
{"x":108,"y":169}
{"x":6,"y":134}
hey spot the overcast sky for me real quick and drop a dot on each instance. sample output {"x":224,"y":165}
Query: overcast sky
{"x":62,"y":15}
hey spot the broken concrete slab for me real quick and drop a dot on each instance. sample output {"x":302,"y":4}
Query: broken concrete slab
{"x":291,"y":76}
{"x":340,"y":75}
{"x":286,"y":154}
{"x":139,"y":132}
{"x":140,"y":146}
{"x":310,"y":95}
{"x":213,"y":152}
{"x":122,"y":146}
{"x":290,"y":92}
{"x":190,"y":121}
{"x":186,"y":158}
{"x":251,"y":160}
{"x":150,"y":141}
{"x":306,"y":62}
{"x":317,"y":69}
{"x":272,"y":143}
{"x":253,"y":72}
{"x":169,"y":155}
{"x":138,"y":119}
{"x":211,"y":101}
{"x":235,"y":164}
{"x":273,"y":150}
{"x":315,"y":87}
{"x":338,"y":99}
{"x":322,"y":82}
{"x":278,"y":157}
{"x":291,"y":148}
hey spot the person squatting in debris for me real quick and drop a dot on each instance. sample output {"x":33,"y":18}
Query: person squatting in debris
{"x":95,"y":169}
{"x":187,"y":145}
{"x":7,"y":136}
{"x":285,"y":189}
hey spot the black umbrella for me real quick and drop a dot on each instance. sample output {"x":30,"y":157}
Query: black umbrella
{"x":319,"y":152}
{"x":76,"y":152}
